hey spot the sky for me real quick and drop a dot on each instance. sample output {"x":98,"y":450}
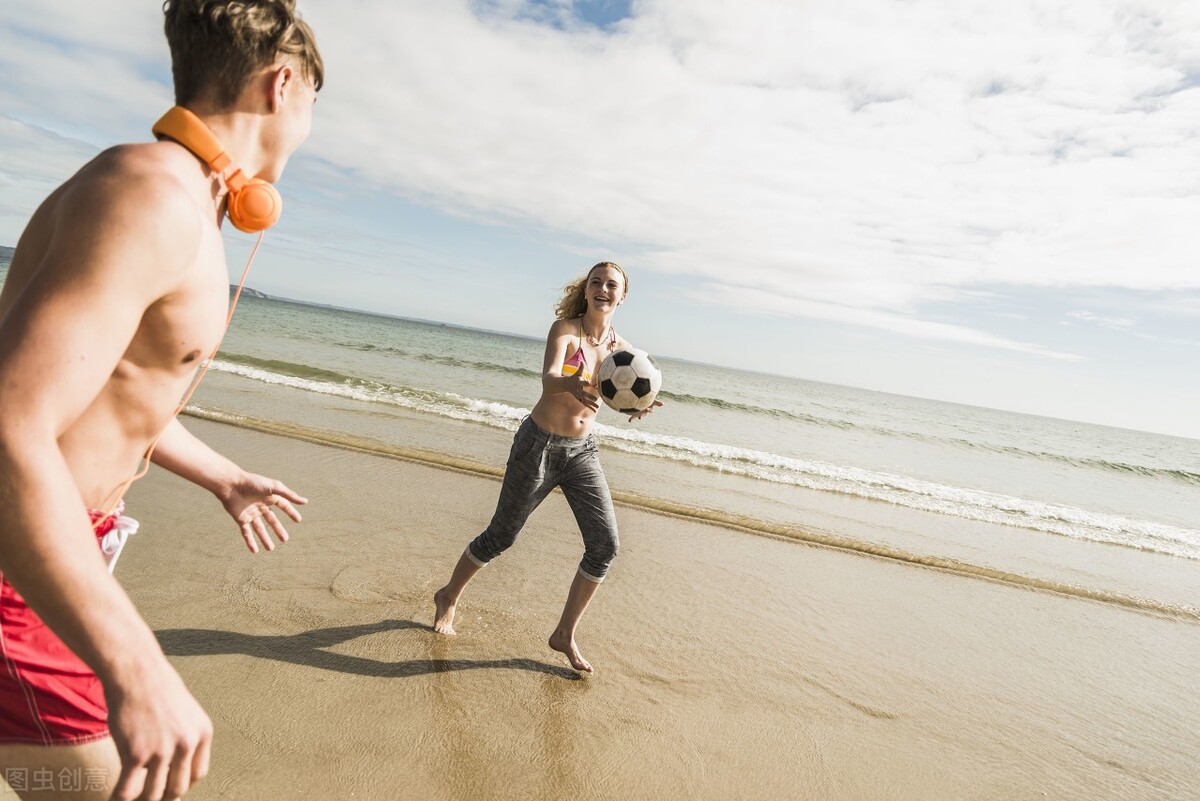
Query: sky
{"x":987,"y":203}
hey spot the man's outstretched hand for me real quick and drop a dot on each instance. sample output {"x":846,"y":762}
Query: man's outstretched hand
{"x":251,"y":501}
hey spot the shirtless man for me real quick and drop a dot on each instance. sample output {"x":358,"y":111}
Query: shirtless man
{"x":117,"y":291}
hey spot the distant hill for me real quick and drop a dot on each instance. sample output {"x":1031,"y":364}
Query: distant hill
{"x":6,"y":253}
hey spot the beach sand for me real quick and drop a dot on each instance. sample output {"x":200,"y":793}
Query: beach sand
{"x":729,"y":665}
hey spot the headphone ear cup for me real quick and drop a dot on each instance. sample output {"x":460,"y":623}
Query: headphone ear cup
{"x":254,"y":207}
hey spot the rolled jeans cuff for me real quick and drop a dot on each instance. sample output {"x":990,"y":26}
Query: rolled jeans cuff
{"x":590,"y":577}
{"x":470,"y":555}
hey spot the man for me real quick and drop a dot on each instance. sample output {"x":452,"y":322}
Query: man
{"x":117,"y":291}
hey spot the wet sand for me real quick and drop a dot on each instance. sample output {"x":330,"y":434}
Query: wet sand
{"x":728,"y":665}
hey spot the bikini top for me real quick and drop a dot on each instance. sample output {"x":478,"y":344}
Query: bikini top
{"x":578,"y":359}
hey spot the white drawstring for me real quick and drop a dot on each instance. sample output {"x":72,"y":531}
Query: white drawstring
{"x":113,"y":542}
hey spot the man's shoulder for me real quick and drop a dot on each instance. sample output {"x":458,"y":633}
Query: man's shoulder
{"x":140,"y":184}
{"x":148,"y":167}
{"x":135,"y":206}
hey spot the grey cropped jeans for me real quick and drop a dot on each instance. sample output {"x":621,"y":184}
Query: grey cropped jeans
{"x":538,"y":462}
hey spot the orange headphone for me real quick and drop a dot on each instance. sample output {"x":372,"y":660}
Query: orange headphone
{"x":254,"y":205}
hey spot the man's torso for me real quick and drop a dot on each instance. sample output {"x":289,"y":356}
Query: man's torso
{"x":177,"y":331}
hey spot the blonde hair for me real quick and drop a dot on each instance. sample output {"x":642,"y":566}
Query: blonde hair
{"x":216,"y":45}
{"x":573,"y":302}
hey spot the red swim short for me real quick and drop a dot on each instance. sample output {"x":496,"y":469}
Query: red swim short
{"x":48,"y":696}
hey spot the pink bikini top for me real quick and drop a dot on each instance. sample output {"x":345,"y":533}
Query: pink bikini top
{"x":578,"y":359}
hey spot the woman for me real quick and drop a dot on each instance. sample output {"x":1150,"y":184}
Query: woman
{"x":554,"y":447}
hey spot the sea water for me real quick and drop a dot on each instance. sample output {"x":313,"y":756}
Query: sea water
{"x":974,"y":485}
{"x":1064,"y":504}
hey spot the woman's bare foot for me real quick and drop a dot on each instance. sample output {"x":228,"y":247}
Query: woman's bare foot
{"x":564,"y":642}
{"x":443,"y":618}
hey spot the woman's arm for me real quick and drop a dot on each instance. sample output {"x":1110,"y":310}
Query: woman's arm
{"x":553,"y":381}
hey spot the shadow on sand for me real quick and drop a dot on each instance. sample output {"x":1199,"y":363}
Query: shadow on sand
{"x":307,"y":648}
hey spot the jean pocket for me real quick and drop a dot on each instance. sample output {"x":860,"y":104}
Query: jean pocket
{"x":524,"y":441}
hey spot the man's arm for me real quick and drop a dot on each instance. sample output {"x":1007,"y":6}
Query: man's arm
{"x":249,"y":498}
{"x":60,"y":341}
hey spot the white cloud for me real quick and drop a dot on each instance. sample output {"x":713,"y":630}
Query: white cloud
{"x":46,"y":160}
{"x":884,"y":153}
{"x":862,"y":158}
{"x":1116,"y":323}
{"x":1130,"y":325}
{"x":129,"y":27}
{"x":93,"y":71}
{"x":753,"y":301}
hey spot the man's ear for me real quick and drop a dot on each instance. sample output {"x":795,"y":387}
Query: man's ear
{"x":282,"y":81}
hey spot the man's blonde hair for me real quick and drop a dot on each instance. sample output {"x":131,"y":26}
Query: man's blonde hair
{"x":573,"y":302}
{"x":216,"y":45}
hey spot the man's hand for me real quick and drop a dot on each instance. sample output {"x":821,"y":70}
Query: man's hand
{"x":251,"y":499}
{"x":162,"y":735}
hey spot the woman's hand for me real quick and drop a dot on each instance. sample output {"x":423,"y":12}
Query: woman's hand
{"x":644,"y":412}
{"x":585,"y":392}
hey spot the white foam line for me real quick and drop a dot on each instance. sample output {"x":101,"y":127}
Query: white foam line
{"x":900,"y":490}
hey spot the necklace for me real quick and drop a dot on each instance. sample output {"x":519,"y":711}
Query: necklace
{"x":595,"y":343}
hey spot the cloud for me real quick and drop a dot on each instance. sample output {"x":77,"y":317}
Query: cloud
{"x":46,"y":160}
{"x":888,"y":152}
{"x":866,"y":159}
{"x":1116,"y":323}
{"x":94,"y":71}
{"x":47,"y":157}
{"x":752,"y":301}
{"x":1130,"y":325}
{"x":1181,"y":304}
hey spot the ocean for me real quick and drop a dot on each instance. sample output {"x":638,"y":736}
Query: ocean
{"x":1068,"y":507}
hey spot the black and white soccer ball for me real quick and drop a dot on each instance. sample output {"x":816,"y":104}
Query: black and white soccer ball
{"x":629,"y":379}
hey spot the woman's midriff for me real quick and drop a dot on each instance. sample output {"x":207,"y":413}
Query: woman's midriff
{"x":566,"y":418}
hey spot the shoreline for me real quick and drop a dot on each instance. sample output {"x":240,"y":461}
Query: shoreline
{"x":728,"y":666}
{"x":715,"y":517}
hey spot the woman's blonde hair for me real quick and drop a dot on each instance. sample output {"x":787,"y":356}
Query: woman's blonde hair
{"x":573,"y":302}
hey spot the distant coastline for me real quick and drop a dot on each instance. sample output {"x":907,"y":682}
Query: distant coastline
{"x":386,"y":316}
{"x":6,"y":254}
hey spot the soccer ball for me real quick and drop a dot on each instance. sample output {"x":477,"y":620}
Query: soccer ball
{"x":629,"y":380}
